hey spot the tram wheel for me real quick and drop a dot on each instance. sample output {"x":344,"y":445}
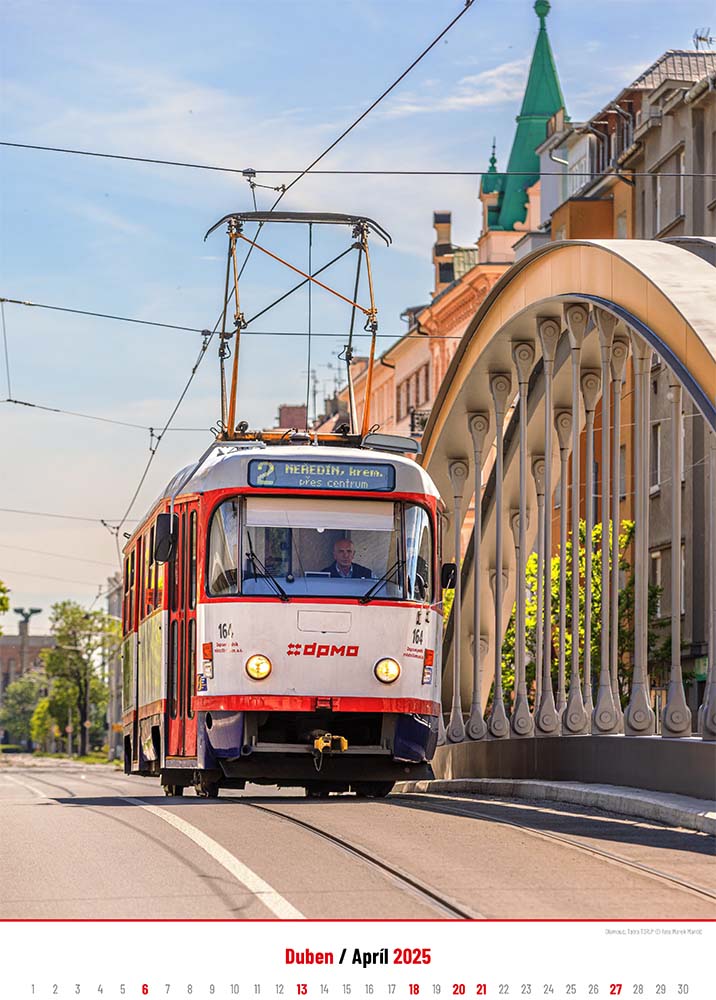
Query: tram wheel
{"x":207,"y":789}
{"x":373,"y":789}
{"x":171,"y":790}
{"x":316,"y":792}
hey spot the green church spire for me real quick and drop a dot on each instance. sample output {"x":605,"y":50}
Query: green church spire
{"x":492,"y":181}
{"x":543,"y":97}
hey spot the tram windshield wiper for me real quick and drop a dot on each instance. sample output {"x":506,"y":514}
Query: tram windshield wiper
{"x":370,"y":594}
{"x":259,"y":567}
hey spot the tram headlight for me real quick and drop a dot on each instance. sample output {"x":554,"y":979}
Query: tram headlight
{"x":258,"y":666}
{"x":387,"y":670}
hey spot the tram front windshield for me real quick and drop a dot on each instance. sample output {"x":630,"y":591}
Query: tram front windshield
{"x":319,"y":547}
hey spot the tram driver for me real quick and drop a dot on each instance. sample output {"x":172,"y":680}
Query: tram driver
{"x":343,"y":565}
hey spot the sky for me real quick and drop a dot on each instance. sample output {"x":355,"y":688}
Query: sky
{"x":239,"y":84}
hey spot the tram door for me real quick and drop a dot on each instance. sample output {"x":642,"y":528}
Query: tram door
{"x":181,"y":659}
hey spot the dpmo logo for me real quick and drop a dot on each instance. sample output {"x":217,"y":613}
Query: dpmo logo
{"x":320,"y":649}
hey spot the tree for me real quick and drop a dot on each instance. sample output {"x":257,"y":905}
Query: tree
{"x":4,"y":600}
{"x":42,"y":723}
{"x":20,"y":699}
{"x":659,"y":644}
{"x":82,"y":638}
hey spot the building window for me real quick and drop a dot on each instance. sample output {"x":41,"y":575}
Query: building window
{"x":657,"y":204}
{"x":622,"y":473}
{"x":655,"y":578}
{"x":683,"y":579}
{"x":680,"y":193}
{"x":446,"y":273}
{"x":713,"y":166}
{"x":655,"y":478}
{"x":622,"y":226}
{"x":683,"y":447}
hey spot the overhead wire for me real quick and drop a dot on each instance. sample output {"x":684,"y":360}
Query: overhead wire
{"x":54,"y":555}
{"x":64,"y":517}
{"x":46,"y":576}
{"x":253,"y":333}
{"x":350,"y":172}
{"x":90,"y":416}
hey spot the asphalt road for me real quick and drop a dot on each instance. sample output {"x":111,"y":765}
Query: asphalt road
{"x":88,"y":842}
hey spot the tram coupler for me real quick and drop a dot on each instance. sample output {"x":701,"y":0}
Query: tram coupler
{"x":326,"y":743}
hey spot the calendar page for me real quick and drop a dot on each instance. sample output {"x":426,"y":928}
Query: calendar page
{"x":362,"y":960}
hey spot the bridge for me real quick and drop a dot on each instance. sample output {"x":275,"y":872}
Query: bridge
{"x":554,"y":344}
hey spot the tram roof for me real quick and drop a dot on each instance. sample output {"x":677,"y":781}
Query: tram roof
{"x":228,"y":467}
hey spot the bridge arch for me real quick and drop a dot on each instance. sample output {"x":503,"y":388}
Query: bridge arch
{"x":552,"y":340}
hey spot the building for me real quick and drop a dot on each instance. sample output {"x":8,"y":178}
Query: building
{"x":291,"y":416}
{"x":674,"y":146}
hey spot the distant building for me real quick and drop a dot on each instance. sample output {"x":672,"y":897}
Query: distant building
{"x":20,"y":654}
{"x":291,"y":416}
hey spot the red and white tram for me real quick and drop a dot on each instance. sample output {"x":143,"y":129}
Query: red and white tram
{"x":292,"y":635}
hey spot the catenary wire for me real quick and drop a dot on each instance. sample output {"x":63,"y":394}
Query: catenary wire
{"x":55,"y":555}
{"x":196,"y":329}
{"x":44,"y":576}
{"x":90,"y":416}
{"x":355,"y":172}
{"x":64,"y":517}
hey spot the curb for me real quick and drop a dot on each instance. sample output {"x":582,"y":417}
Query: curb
{"x":672,"y":810}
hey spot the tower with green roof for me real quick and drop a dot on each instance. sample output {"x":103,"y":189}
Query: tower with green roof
{"x":543,"y":97}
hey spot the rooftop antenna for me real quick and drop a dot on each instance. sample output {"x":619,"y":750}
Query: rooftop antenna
{"x":703,"y":39}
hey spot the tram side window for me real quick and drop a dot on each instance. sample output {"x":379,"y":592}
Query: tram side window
{"x":173,"y":669}
{"x":151,"y":570}
{"x":191,"y":667}
{"x":192,"y":561}
{"x":223,"y":560}
{"x":418,"y":554}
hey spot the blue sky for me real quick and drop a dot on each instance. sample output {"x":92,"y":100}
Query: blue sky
{"x":236,"y":84}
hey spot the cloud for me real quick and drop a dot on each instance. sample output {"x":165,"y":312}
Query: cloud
{"x":499,"y":85}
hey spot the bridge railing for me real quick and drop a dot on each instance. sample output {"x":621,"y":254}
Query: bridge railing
{"x":527,"y":398}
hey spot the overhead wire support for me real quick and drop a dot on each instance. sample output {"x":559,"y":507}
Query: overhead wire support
{"x":7,"y":356}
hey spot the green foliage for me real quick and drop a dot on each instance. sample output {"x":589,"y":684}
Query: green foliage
{"x":19,"y":703}
{"x":41,"y":723}
{"x":659,"y":646}
{"x":4,"y":600}
{"x":83,"y":639}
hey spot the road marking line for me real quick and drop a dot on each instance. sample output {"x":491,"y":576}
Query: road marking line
{"x":25,"y":785}
{"x":248,"y":878}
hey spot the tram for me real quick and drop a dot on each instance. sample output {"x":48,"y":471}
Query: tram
{"x":282,"y":612}
{"x":293,"y":637}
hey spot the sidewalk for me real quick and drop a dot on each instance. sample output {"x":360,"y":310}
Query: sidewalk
{"x":660,"y":807}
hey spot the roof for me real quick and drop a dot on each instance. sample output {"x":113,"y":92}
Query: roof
{"x":543,"y":97}
{"x":676,"y":64}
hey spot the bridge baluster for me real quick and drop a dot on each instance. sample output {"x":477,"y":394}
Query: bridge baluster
{"x":676,"y":716}
{"x":563,"y":426}
{"x":707,"y":715}
{"x":500,"y":387}
{"x":604,"y":716}
{"x":639,"y":716}
{"x":620,"y":353}
{"x":521,"y":722}
{"x":574,"y":718}
{"x":547,"y":718}
{"x":458,"y":471}
{"x":591,"y":381}
{"x":538,"y":475}
{"x":479,"y":424}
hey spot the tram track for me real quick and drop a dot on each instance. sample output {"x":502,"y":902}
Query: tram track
{"x":451,"y":809}
{"x":406,"y":882}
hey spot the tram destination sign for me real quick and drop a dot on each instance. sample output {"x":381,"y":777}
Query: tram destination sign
{"x":316,"y":475}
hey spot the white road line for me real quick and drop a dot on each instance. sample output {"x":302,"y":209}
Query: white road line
{"x":25,"y":785}
{"x":248,"y":878}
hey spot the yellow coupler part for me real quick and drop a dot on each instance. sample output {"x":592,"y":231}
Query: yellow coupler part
{"x":326,"y":743}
